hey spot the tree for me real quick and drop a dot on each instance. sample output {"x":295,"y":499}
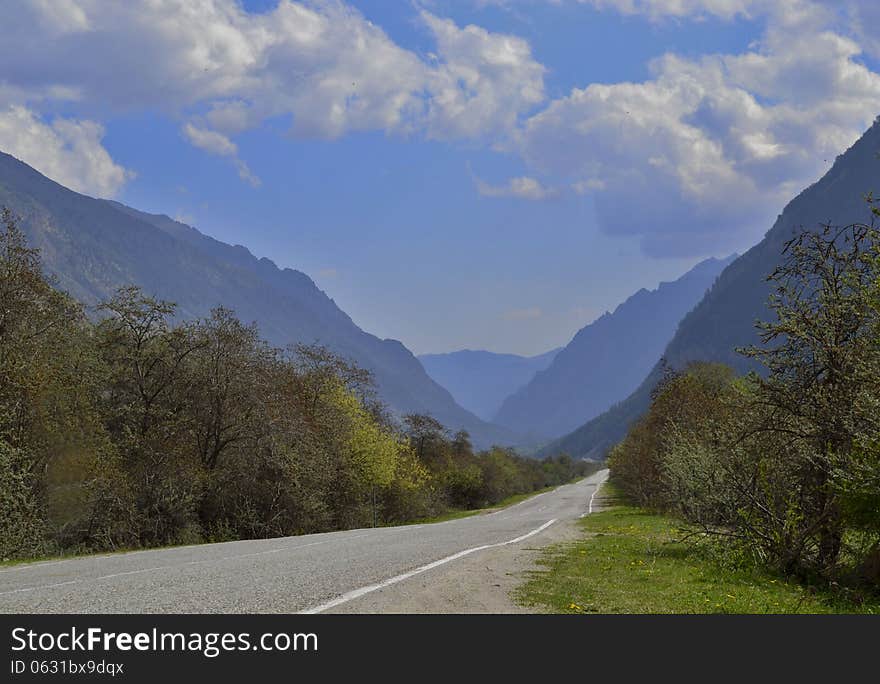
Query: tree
{"x":425,"y":434}
{"x":821,"y":357}
{"x":143,"y":407}
{"x":228,"y":382}
{"x":688,"y":401}
{"x":322,"y":369}
{"x":35,"y":323}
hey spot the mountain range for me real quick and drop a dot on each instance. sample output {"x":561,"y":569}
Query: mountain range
{"x":725,"y":318}
{"x":93,"y":246}
{"x":607,"y":359}
{"x":481,"y":380}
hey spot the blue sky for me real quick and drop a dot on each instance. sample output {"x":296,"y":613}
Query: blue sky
{"x":455,"y":174}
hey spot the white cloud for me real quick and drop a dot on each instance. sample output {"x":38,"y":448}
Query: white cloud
{"x":320,"y":63}
{"x":665,"y":158}
{"x":662,"y":157}
{"x":523,"y":187}
{"x":481,"y":81}
{"x":219,"y":144}
{"x":725,"y":9}
{"x":67,"y":150}
{"x":209,"y":140}
{"x":248,"y":176}
{"x":657,"y":10}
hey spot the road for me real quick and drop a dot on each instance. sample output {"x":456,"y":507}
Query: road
{"x":312,"y":573}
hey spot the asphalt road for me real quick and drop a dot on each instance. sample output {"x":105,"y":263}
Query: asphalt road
{"x":312,"y":573}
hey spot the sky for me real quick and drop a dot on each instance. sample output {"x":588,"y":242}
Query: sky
{"x":483,"y":174}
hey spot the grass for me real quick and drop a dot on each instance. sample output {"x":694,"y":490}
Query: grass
{"x":631,"y":561}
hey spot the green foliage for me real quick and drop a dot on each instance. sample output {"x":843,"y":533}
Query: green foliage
{"x":787,"y":465}
{"x":682,"y":401}
{"x":139,"y":431}
{"x":21,"y":527}
{"x":634,"y":561}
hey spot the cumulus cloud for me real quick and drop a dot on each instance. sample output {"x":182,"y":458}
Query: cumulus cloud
{"x":480,"y":81}
{"x":667,"y":158}
{"x":67,"y":150}
{"x":320,"y":62}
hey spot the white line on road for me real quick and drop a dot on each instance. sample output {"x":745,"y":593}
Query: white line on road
{"x":590,"y":509}
{"x":357,"y":593}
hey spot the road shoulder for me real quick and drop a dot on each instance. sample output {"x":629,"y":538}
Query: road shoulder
{"x":478,"y":584}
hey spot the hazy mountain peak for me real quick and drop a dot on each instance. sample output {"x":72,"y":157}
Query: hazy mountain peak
{"x":606,"y":359}
{"x":479,"y":380}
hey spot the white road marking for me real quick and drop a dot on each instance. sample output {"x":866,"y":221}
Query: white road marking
{"x":357,"y":593}
{"x":590,"y":509}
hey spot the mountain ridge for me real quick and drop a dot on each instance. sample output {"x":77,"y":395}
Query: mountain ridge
{"x":480,"y":380}
{"x":93,"y":246}
{"x":606,"y":359}
{"x":724,"y":319}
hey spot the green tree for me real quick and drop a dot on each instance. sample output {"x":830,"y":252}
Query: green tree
{"x":821,"y":357}
{"x":143,"y":407}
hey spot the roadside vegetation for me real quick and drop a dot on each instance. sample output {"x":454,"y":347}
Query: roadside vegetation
{"x":783,"y":467}
{"x":756,"y":494}
{"x":633,"y":560}
{"x":133,"y":428}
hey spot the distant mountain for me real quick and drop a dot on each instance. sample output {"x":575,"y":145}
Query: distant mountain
{"x":94,"y":246}
{"x":607,"y":359}
{"x":480,"y":380}
{"x":725,"y":318}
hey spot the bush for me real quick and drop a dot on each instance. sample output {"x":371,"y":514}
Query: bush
{"x":22,"y":528}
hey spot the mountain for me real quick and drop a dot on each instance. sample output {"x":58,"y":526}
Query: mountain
{"x":607,"y":359}
{"x":94,"y":246}
{"x":725,"y":318}
{"x":480,"y":380}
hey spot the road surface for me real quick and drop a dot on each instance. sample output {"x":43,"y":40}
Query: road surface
{"x":336,"y":571}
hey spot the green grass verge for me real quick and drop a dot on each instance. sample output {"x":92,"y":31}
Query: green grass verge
{"x":631,"y":561}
